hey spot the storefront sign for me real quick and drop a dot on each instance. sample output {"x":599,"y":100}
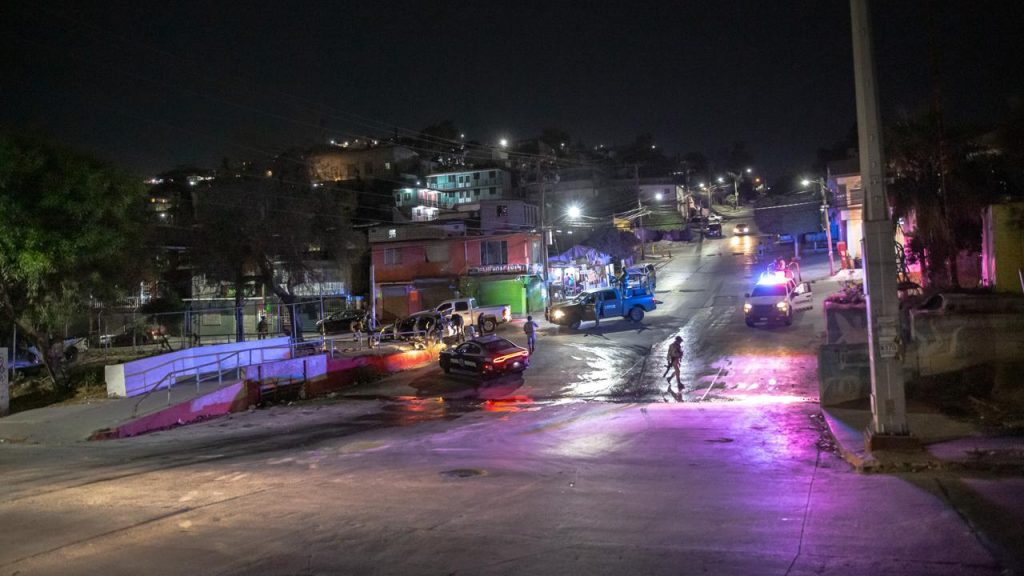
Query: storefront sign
{"x":499,"y":269}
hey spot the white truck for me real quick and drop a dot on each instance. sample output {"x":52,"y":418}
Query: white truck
{"x":486,"y":317}
{"x":774,"y":298}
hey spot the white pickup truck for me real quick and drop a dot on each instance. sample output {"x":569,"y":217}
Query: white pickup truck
{"x":486,"y":317}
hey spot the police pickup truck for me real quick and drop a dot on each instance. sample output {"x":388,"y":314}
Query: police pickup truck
{"x":774,"y":298}
{"x":629,"y":303}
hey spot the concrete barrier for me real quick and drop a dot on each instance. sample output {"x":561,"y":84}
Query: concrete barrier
{"x":846,"y":323}
{"x":950,"y":341}
{"x":844,"y":373}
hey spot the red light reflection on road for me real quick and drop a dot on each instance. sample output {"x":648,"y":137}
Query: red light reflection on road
{"x":509,"y":404}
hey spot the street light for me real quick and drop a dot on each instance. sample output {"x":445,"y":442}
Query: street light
{"x":828,"y":223}
{"x":574,"y":212}
{"x":658,"y":196}
{"x":503,"y":142}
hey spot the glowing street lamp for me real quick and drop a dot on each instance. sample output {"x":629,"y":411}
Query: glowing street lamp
{"x":574,"y":212}
{"x":503,"y":142}
{"x":658,"y":196}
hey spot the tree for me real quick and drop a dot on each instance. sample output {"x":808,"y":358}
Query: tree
{"x":941,"y":181}
{"x":272,"y":223}
{"x":71,"y":229}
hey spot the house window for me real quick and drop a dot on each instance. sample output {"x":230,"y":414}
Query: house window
{"x":493,"y":253}
{"x":502,"y":210}
{"x":491,"y":174}
{"x":387,"y":165}
{"x":492,"y":191}
{"x":392,"y":233}
{"x":392,"y":256}
{"x":476,"y":175}
{"x":476,"y":192}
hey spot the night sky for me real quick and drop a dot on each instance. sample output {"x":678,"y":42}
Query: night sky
{"x":150,"y":85}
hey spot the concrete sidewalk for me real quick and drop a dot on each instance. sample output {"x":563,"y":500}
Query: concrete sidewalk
{"x":184,"y":403}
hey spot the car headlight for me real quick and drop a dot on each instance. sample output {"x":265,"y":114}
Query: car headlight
{"x":747,"y":307}
{"x":782,"y":306}
{"x":557,"y":314}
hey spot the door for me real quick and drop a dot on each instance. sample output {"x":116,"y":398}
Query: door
{"x":802,"y":297}
{"x":612,"y":304}
{"x":469,"y":357}
{"x":462,"y":309}
{"x":587,"y":308}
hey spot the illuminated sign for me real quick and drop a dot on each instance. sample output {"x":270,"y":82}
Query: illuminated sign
{"x":499,"y":269}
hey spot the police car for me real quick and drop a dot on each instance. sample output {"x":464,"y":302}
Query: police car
{"x":485,"y":356}
{"x":774,"y":298}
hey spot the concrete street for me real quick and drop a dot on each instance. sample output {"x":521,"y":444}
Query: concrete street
{"x":587,"y":464}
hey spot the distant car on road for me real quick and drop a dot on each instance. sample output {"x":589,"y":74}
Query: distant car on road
{"x":485,"y":356}
{"x":741,"y":229}
{"x":714,"y":230}
{"x":349,"y":320}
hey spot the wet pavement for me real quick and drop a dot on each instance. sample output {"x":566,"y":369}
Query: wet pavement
{"x":587,"y":463}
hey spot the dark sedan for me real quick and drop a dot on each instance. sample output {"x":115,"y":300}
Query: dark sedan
{"x":485,"y":356}
{"x":342,"y":321}
{"x":418,"y":325}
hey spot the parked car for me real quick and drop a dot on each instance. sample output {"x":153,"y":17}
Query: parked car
{"x":348,"y":320}
{"x":133,"y":336}
{"x":70,"y":350}
{"x":485,"y":356}
{"x":415,"y":325}
{"x":630,"y":303}
{"x":486,"y":317}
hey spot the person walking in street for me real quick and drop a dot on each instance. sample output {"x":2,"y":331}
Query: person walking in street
{"x":675,"y":358}
{"x":598,"y":309}
{"x":261,"y":328}
{"x":530,"y":328}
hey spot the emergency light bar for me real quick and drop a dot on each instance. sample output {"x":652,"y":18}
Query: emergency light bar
{"x":772,"y":278}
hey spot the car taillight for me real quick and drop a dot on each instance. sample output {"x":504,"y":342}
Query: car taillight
{"x":506,"y":357}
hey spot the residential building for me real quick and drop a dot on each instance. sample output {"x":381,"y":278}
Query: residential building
{"x":844,"y":182}
{"x":417,"y":266}
{"x":470,"y":186}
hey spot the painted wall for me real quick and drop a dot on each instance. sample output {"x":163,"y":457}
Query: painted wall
{"x":1003,"y":246}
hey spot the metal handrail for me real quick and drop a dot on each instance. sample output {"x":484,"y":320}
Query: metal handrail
{"x":168,"y":379}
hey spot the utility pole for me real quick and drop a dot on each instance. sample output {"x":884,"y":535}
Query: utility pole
{"x":828,"y":229}
{"x":640,"y":212}
{"x":888,"y":427}
{"x":543,"y":230}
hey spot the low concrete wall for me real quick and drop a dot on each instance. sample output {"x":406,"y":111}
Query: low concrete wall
{"x":846,"y":323}
{"x":949,"y":341}
{"x":844,"y":373}
{"x":139,"y":376}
